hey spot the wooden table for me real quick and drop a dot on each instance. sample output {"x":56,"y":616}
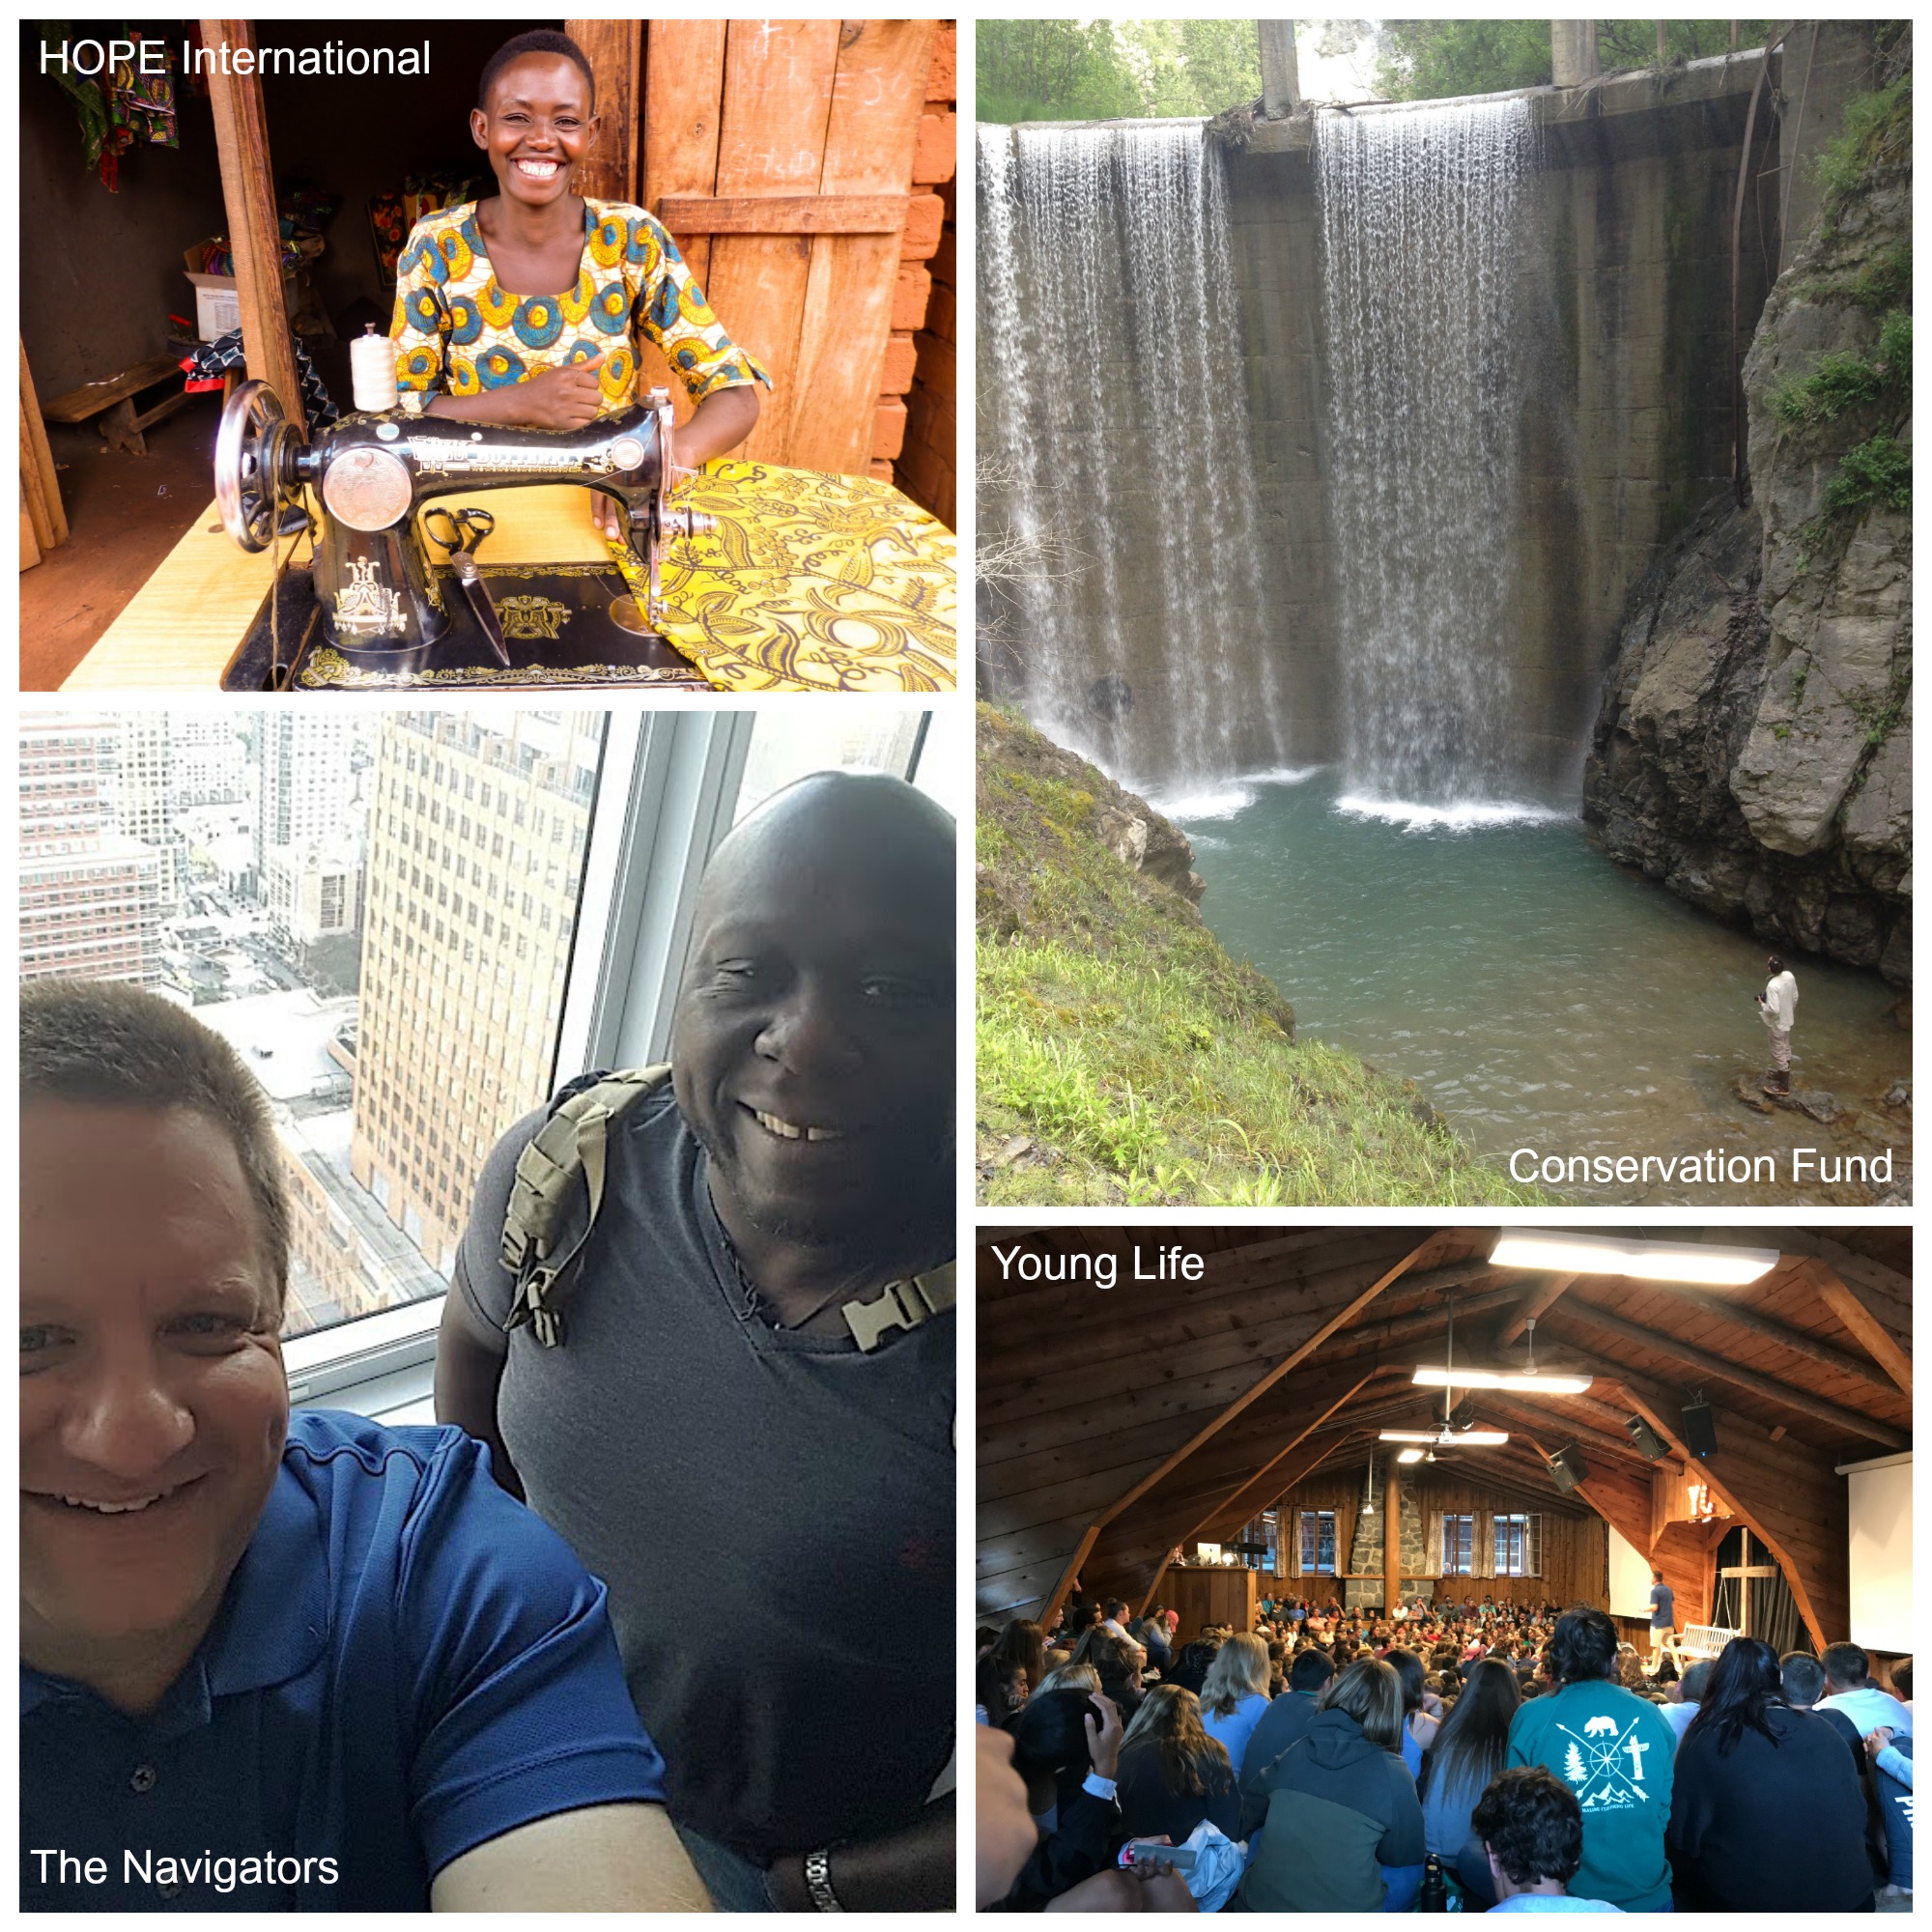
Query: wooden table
{"x":186,"y":621}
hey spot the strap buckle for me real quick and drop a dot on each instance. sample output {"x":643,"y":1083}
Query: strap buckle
{"x":903,"y":1304}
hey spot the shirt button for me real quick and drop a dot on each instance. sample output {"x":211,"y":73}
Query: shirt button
{"x":143,"y":1779}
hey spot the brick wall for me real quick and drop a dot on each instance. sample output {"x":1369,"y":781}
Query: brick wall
{"x":917,"y":414}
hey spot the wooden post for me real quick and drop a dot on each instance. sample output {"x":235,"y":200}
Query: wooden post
{"x":613,"y":49}
{"x":248,"y":189}
{"x":40,"y":484}
{"x":1281,"y":71}
{"x":1391,"y":1536}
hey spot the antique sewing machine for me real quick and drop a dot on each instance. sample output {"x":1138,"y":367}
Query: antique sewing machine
{"x":376,"y":607}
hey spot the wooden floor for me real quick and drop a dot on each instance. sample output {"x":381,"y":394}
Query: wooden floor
{"x":126,"y":513}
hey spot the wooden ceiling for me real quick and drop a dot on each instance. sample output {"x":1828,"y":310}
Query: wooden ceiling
{"x":1116,"y":1423}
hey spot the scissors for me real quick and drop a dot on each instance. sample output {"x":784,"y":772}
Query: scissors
{"x":467,"y":529}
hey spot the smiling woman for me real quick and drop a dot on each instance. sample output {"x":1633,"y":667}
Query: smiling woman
{"x":527,"y":307}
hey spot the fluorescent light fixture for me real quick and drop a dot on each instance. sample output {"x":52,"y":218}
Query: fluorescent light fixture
{"x":1644,"y":1261}
{"x":1490,"y":1379}
{"x":1447,"y":1439}
{"x":1411,"y":1456}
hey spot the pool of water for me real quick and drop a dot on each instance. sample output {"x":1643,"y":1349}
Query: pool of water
{"x":1547,"y":1002}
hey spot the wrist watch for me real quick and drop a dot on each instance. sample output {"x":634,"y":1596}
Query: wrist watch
{"x":818,"y":1880}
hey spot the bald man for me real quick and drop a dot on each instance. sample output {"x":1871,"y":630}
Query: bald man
{"x":739,"y":1412}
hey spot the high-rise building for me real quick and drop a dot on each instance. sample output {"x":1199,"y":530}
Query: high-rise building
{"x":478,"y":832}
{"x":208,"y":761}
{"x":90,"y":895}
{"x":144,"y":796}
{"x":307,"y":779}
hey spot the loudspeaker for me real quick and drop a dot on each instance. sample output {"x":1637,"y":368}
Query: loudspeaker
{"x":1464,"y":1414}
{"x":1651,"y":1446}
{"x":1568,"y":1468}
{"x":1700,"y":1436}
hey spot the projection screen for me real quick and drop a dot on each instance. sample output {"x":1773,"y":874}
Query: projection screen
{"x":1879,"y":1497}
{"x":1630,"y":1580}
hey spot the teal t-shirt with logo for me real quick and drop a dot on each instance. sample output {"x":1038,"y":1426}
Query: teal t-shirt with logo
{"x":1613,"y":1749}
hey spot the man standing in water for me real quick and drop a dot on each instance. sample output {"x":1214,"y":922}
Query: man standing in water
{"x":1777,"y":1008}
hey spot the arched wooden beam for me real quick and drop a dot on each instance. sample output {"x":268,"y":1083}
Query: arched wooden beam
{"x":1784,"y":1492}
{"x":1339,"y":1319}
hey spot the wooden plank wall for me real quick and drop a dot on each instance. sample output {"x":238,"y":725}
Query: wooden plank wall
{"x":754,"y":110}
{"x":928,"y":303}
{"x":1575,"y":1548}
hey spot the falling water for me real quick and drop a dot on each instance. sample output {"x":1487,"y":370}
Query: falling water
{"x":1419,"y":209}
{"x":1112,"y":401}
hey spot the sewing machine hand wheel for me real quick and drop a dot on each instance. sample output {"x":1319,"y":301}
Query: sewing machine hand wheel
{"x":251,"y":449}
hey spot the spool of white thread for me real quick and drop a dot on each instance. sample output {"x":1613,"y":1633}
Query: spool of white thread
{"x":372,"y":370}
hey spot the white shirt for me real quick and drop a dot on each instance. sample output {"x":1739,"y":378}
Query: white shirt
{"x":1870,"y":1708}
{"x":1677,"y":1715}
{"x":1781,"y":1002}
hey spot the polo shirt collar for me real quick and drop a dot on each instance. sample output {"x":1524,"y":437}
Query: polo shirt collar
{"x":272,"y":1624}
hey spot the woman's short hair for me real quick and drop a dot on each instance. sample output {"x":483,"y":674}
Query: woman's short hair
{"x":105,"y":1044}
{"x":1408,"y":1667}
{"x":1240,"y":1669}
{"x":1585,"y":1646}
{"x":1371,"y":1692}
{"x":1533,"y":1824}
{"x":538,"y":40}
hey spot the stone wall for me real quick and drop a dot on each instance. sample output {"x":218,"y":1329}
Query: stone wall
{"x":1625,"y":299}
{"x":1366,"y":1589}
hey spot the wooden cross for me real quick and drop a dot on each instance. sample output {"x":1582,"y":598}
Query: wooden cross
{"x":1744,"y":1572}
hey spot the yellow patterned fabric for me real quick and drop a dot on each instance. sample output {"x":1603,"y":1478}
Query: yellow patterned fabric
{"x":457,"y":334}
{"x":811,"y":583}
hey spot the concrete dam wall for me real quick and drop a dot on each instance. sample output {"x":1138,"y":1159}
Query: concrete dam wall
{"x":1611,"y":415}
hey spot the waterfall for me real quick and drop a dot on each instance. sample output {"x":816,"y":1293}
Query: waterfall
{"x":1111,"y":402}
{"x":1419,"y":209}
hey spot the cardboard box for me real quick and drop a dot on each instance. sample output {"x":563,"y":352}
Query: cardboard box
{"x":218,"y":306}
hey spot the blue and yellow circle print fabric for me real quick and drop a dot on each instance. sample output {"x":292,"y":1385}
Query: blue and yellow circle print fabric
{"x":456,"y":333}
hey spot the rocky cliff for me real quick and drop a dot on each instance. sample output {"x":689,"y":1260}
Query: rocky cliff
{"x":1753,"y":750}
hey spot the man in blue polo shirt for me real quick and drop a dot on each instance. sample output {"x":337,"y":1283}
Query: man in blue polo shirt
{"x":309,"y":1665}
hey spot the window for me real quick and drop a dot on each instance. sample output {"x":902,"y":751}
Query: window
{"x":1318,"y":1543}
{"x":1459,"y":1539}
{"x":297,"y":894}
{"x":1519,"y":1551}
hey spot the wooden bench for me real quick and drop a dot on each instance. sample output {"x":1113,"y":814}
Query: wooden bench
{"x":121,"y":425}
{"x":1695,"y":1641}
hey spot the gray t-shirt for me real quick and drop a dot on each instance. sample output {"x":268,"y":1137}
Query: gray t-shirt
{"x":1662,"y":1607}
{"x":773,"y":1512}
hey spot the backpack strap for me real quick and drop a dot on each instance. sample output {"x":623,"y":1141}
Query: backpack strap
{"x":556,"y":1193}
{"x":904,"y":1304}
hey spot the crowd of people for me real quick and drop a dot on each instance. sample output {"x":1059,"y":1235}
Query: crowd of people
{"x":1489,"y":1756}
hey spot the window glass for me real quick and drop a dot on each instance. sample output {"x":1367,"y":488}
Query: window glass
{"x":1516,"y":1545}
{"x":1458,"y":1537}
{"x":787,"y":744}
{"x":1318,"y":1543}
{"x":282,"y":873}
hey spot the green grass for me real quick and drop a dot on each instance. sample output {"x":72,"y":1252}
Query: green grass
{"x":1140,"y":1062}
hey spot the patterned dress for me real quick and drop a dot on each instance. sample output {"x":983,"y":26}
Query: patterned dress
{"x":457,"y":334}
